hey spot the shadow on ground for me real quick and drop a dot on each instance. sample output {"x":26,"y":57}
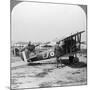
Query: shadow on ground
{"x":64,"y":61}
{"x":74,"y":65}
{"x":36,"y":64}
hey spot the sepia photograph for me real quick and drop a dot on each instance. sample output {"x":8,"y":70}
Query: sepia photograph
{"x":48,"y":44}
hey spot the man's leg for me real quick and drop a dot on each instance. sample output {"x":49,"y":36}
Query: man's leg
{"x":60,"y":61}
{"x":57,"y":58}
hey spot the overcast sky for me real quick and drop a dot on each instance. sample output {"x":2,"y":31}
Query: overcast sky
{"x":44,"y":22}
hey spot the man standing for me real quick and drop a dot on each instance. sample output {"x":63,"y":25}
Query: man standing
{"x":31,"y":47}
{"x":58,"y":51}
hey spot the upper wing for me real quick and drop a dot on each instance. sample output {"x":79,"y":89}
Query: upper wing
{"x":75,"y":34}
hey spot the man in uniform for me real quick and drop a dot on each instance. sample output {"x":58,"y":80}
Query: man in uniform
{"x":57,"y":51}
{"x":31,"y":48}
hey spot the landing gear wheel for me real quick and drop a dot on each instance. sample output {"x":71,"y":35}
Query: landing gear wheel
{"x":29,"y":60}
{"x":75,"y":60}
{"x":71,"y":59}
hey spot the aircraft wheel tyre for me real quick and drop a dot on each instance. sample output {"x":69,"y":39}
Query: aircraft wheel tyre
{"x":75,"y":60}
{"x":71,"y":58}
{"x":29,"y":60}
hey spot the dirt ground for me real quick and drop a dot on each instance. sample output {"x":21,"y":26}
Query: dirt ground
{"x":44,"y":73}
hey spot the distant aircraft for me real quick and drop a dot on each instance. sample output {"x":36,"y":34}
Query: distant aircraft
{"x":70,"y":47}
{"x":16,"y":47}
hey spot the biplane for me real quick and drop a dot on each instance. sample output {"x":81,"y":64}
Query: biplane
{"x":70,"y":47}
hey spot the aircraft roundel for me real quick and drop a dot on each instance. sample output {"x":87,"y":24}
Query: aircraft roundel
{"x":52,"y":54}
